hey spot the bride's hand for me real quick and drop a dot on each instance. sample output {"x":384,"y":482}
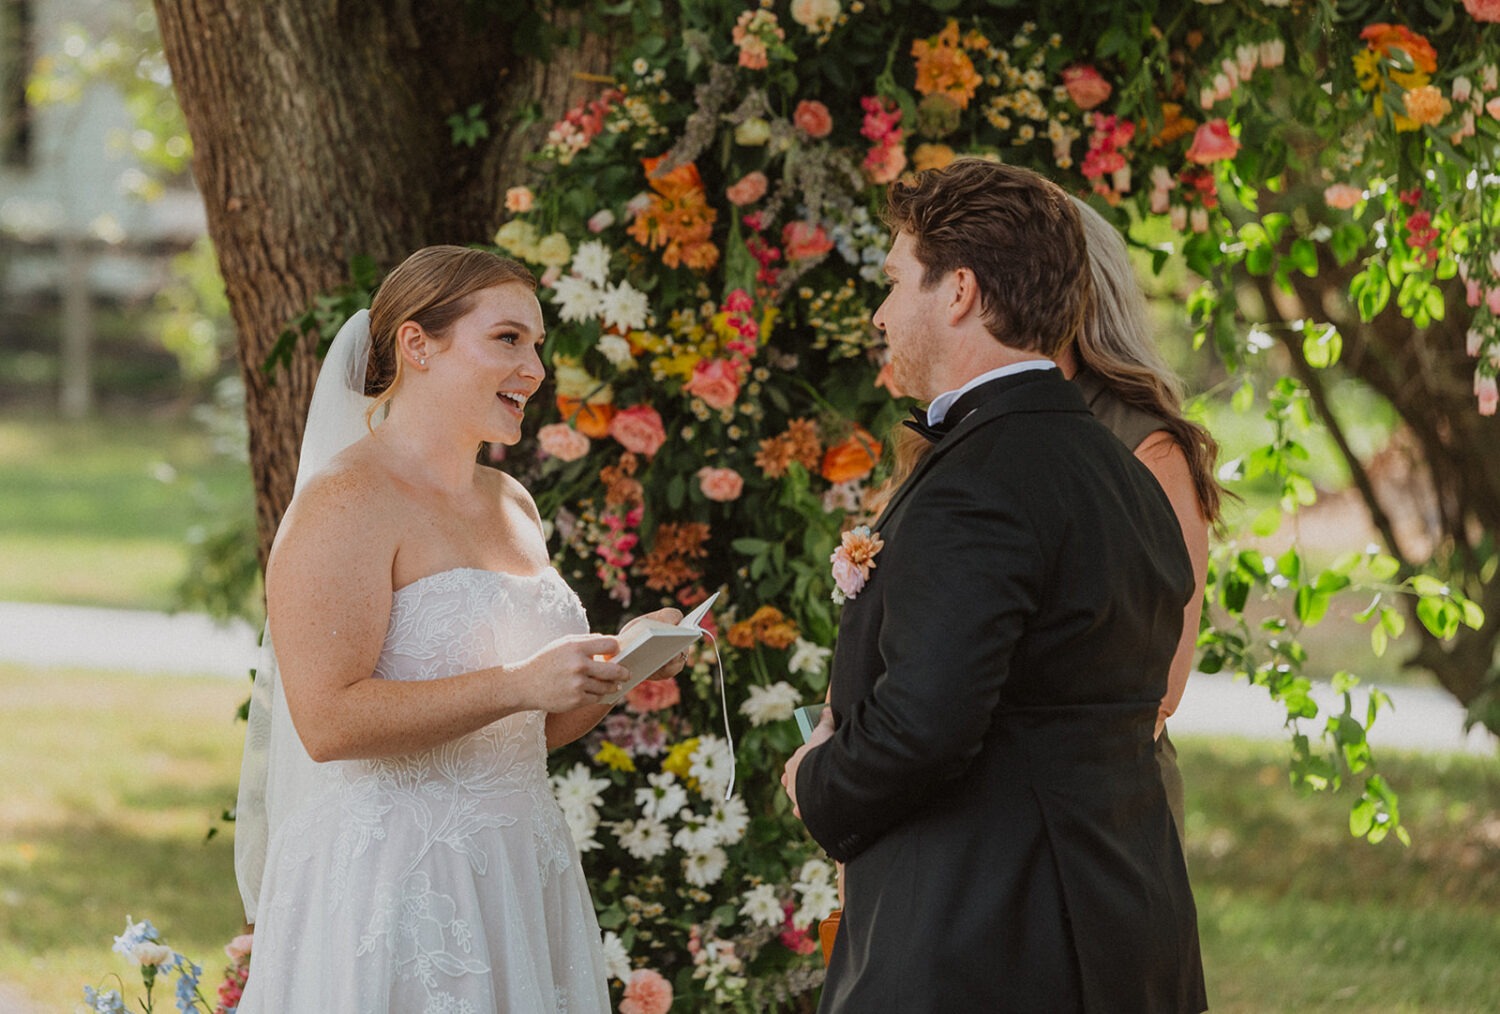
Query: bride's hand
{"x":566,"y":674}
{"x":670,"y":616}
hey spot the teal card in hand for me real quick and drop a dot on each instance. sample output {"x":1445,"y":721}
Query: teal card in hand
{"x":808,"y":718}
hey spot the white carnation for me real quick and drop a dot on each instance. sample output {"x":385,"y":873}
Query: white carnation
{"x":578,"y":788}
{"x":664,"y":799}
{"x":616,"y":958}
{"x":617,"y":351}
{"x":591,"y":262}
{"x":761,"y":905}
{"x":152,"y":954}
{"x":702,"y":869}
{"x":624,"y":307}
{"x":770,"y":704}
{"x":696,"y":838}
{"x":808,"y":658}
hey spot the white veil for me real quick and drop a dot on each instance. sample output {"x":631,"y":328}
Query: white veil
{"x":276,"y":769}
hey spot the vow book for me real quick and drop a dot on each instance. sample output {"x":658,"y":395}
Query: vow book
{"x":652,"y":644}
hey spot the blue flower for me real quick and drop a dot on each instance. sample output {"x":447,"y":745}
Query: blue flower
{"x":187,"y":983}
{"x":135,"y":934}
{"x":107,"y":1002}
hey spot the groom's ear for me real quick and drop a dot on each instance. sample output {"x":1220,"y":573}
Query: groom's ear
{"x":964,"y":298}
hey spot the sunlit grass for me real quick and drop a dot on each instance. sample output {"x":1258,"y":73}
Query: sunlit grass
{"x":111,"y":784}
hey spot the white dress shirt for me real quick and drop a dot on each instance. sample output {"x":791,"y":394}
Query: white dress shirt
{"x":938,"y":410}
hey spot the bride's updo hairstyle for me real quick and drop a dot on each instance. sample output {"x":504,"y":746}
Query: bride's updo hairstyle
{"x":432,"y":288}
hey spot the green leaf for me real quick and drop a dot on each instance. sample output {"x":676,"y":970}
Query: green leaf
{"x":750,"y":547}
{"x":1393,"y":621}
{"x":1244,"y":396}
{"x":1323,"y":350}
{"x":1311,"y":605}
{"x":1426,"y":585}
{"x":1267,"y":522}
{"x":1383,"y":567}
{"x":1362,"y":818}
{"x":1378,"y":640}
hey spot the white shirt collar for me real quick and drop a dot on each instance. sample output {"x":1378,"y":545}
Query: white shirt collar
{"x":938,"y":410}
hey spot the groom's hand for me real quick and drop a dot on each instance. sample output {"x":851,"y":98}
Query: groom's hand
{"x":821,"y":734}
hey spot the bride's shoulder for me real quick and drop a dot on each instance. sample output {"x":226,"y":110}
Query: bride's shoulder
{"x":507,"y":489}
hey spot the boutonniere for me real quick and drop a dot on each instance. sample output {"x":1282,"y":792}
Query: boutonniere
{"x":853,"y":561}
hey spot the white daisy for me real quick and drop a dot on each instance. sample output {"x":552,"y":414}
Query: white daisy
{"x":808,"y":658}
{"x":624,"y":307}
{"x":576,"y":298}
{"x":695,"y":838}
{"x":713,"y":766}
{"x":761,"y":905}
{"x":591,"y":262}
{"x":616,"y":958}
{"x":818,"y":901}
{"x":729,"y":820}
{"x":665,"y":798}
{"x":645,"y":839}
{"x":702,"y":869}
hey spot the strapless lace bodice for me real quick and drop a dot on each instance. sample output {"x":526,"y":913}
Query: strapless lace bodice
{"x":447,"y":877}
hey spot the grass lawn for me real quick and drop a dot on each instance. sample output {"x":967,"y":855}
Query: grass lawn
{"x":111,"y":782}
{"x":97,"y":512}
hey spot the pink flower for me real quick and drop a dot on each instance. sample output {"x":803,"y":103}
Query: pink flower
{"x":238,"y":949}
{"x":1492,"y":300}
{"x":1343,"y":196}
{"x":1473,"y":292}
{"x":601,"y":220}
{"x":519,"y":199}
{"x":884,"y":162}
{"x":562,"y":441}
{"x":1272,"y":53}
{"x":653,"y":695}
{"x":1178,"y":216}
{"x":1486,"y":392}
{"x":1493,"y":107}
{"x":720,"y":484}
{"x":750,"y":188}
{"x":853,"y":561}
{"x":1198,"y":219}
{"x":1473,"y":342}
{"x":1086,"y":87}
{"x":638,"y":429}
{"x":1483,"y":10}
{"x":1213,"y":142}
{"x":647,"y":992}
{"x":716,"y":382}
{"x":813,"y":118}
{"x":805,"y":240}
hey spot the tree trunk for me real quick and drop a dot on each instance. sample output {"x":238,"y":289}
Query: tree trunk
{"x":1429,"y":380}
{"x":319,"y":133}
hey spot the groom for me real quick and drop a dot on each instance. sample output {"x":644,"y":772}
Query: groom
{"x":986,"y":769}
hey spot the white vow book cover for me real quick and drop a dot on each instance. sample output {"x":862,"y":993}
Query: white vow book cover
{"x":652,"y":644}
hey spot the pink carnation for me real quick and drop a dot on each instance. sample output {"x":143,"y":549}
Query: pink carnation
{"x":720,"y":484}
{"x":519,"y":199}
{"x":805,"y":240}
{"x":647,"y":992}
{"x":1343,"y":196}
{"x":716,"y":382}
{"x":1086,"y":87}
{"x":1213,"y":142}
{"x":638,"y":429}
{"x":813,"y":118}
{"x":653,"y":695}
{"x":1487,"y":393}
{"x":1483,"y":10}
{"x":238,"y":949}
{"x":884,"y":162}
{"x":750,"y":188}
{"x":562,"y":441}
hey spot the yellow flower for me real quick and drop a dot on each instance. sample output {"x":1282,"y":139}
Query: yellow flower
{"x":612,"y":756}
{"x":573,"y":381}
{"x":1367,"y":69}
{"x":680,"y":761}
{"x":554,"y":250}
{"x":932,"y":156}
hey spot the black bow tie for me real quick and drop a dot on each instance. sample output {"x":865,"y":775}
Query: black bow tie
{"x":933,"y":434}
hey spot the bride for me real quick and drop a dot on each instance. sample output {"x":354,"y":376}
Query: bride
{"x":398,"y":845}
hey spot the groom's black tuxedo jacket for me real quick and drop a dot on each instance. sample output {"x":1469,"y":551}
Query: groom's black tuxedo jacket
{"x":991,"y":783}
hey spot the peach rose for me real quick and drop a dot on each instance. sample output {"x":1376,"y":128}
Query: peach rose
{"x":720,"y":484}
{"x":562,"y":441}
{"x":1426,"y":105}
{"x":1213,"y":142}
{"x":638,"y":429}
{"x":647,"y":992}
{"x":805,"y":240}
{"x":1086,"y":87}
{"x":1483,"y":10}
{"x":518,"y":200}
{"x":716,"y":382}
{"x":653,"y":695}
{"x":750,"y":188}
{"x":1343,"y":196}
{"x":591,"y":418}
{"x":813,"y":118}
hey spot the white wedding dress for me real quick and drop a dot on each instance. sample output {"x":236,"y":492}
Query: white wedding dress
{"x":442,"y":881}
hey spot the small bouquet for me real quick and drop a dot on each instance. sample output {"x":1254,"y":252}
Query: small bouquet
{"x":142,"y":944}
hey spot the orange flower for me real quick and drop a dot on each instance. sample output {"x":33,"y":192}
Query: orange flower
{"x":667,"y":566}
{"x":1174,"y":125}
{"x":943,"y":67}
{"x":932,"y":156}
{"x":1384,"y":38}
{"x":590,"y":419}
{"x":1426,"y":106}
{"x":768,"y":626}
{"x":620,"y":490}
{"x":852,"y":459}
{"x":679,"y":220}
{"x":800,"y":443}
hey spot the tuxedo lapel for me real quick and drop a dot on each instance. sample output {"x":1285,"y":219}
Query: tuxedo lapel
{"x":1032,"y":391}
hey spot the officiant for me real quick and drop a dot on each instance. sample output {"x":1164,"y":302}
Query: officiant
{"x":986,"y":770}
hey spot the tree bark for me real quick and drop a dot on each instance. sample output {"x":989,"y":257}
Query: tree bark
{"x":319,"y":133}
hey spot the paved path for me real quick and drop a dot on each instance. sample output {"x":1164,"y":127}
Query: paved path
{"x":1423,"y":718}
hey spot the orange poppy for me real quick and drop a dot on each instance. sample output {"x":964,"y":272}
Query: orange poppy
{"x":589,"y":418}
{"x":852,"y":459}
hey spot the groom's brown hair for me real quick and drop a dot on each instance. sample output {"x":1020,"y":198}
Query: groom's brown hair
{"x":1020,"y":235}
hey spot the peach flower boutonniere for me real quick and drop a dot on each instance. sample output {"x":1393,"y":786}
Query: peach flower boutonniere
{"x":853,"y":561}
